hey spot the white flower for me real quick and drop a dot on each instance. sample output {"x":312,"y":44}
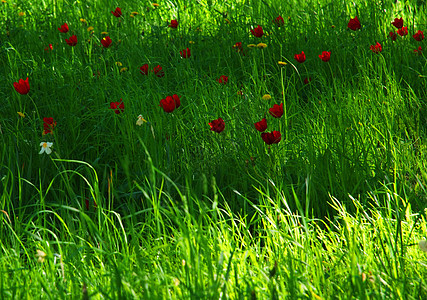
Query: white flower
{"x":423,"y":245}
{"x":140,"y":120}
{"x":40,"y":256}
{"x":46,"y":147}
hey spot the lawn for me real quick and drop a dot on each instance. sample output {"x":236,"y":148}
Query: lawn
{"x":210,"y":149}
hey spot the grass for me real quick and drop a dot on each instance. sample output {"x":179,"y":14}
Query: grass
{"x":171,"y":209}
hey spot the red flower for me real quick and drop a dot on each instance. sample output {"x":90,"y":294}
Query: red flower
{"x":257,"y":31}
{"x":158,"y":71}
{"x":185,"y":53}
{"x":144,"y":69}
{"x":117,"y":13}
{"x":392,"y":35}
{"x":376,"y":48}
{"x":325,"y":56}
{"x":398,"y":23}
{"x":22,"y":86}
{"x":170,"y":103}
{"x":419,"y":36}
{"x":354,"y":24}
{"x":106,"y":41}
{"x":223,"y":79}
{"x":279,"y":21}
{"x":418,"y":51}
{"x":261,"y":125}
{"x":72,"y":41}
{"x":173,"y":24}
{"x":48,"y":48}
{"x":300,"y":57}
{"x":402,"y":31}
{"x":238,"y":46}
{"x":307,"y":80}
{"x":48,"y":125}
{"x":276,"y":111}
{"x":273,"y":137}
{"x":117,"y":106}
{"x":63,"y":28}
{"x":217,"y":125}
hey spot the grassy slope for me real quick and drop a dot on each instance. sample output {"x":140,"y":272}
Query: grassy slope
{"x":233,"y":207}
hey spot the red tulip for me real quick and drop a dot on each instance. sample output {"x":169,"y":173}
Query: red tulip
{"x":300,"y":57}
{"x":419,"y":36}
{"x":223,"y":79}
{"x":217,"y":125}
{"x":144,"y":69}
{"x":418,"y":51}
{"x":392,"y":35}
{"x":325,"y":56}
{"x":72,"y":41}
{"x":63,"y":28}
{"x":376,"y":48}
{"x":279,"y":21}
{"x":117,"y":106}
{"x":261,"y":125}
{"x":48,"y":125}
{"x":106,"y":41}
{"x":185,"y":53}
{"x":398,"y":23}
{"x":354,"y":24}
{"x":158,"y":71}
{"x":402,"y":31}
{"x":273,"y":137}
{"x":258,"y":32}
{"x":22,"y":86}
{"x":276,"y":111}
{"x":173,"y":24}
{"x":117,"y":13}
{"x":170,"y":103}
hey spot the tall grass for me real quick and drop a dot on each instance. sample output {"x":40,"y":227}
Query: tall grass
{"x":171,"y":209}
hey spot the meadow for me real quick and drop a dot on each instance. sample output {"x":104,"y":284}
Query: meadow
{"x":210,"y":149}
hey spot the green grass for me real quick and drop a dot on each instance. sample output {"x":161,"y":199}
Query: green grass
{"x":171,"y":209}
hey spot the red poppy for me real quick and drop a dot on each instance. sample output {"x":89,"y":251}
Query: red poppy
{"x":392,"y":35}
{"x":376,"y":48}
{"x":261,"y":125}
{"x":307,"y":80}
{"x":158,"y":71}
{"x":173,"y":24}
{"x":258,"y":32}
{"x":217,"y":125}
{"x":117,"y":13}
{"x":185,"y":53}
{"x":276,"y":111}
{"x":419,"y":36}
{"x":144,"y":69}
{"x":72,"y":41}
{"x":22,"y":86}
{"x":354,"y":24}
{"x":398,"y":23}
{"x":48,"y":48}
{"x":402,"y":31}
{"x":106,"y":41}
{"x":48,"y":125}
{"x":170,"y":103}
{"x":325,"y":56}
{"x":63,"y":28}
{"x":223,"y":79}
{"x":117,"y":106}
{"x":418,"y":51}
{"x":273,"y":137}
{"x":300,"y":57}
{"x":279,"y":21}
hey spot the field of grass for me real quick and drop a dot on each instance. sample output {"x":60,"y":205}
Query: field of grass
{"x":118,"y":179}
